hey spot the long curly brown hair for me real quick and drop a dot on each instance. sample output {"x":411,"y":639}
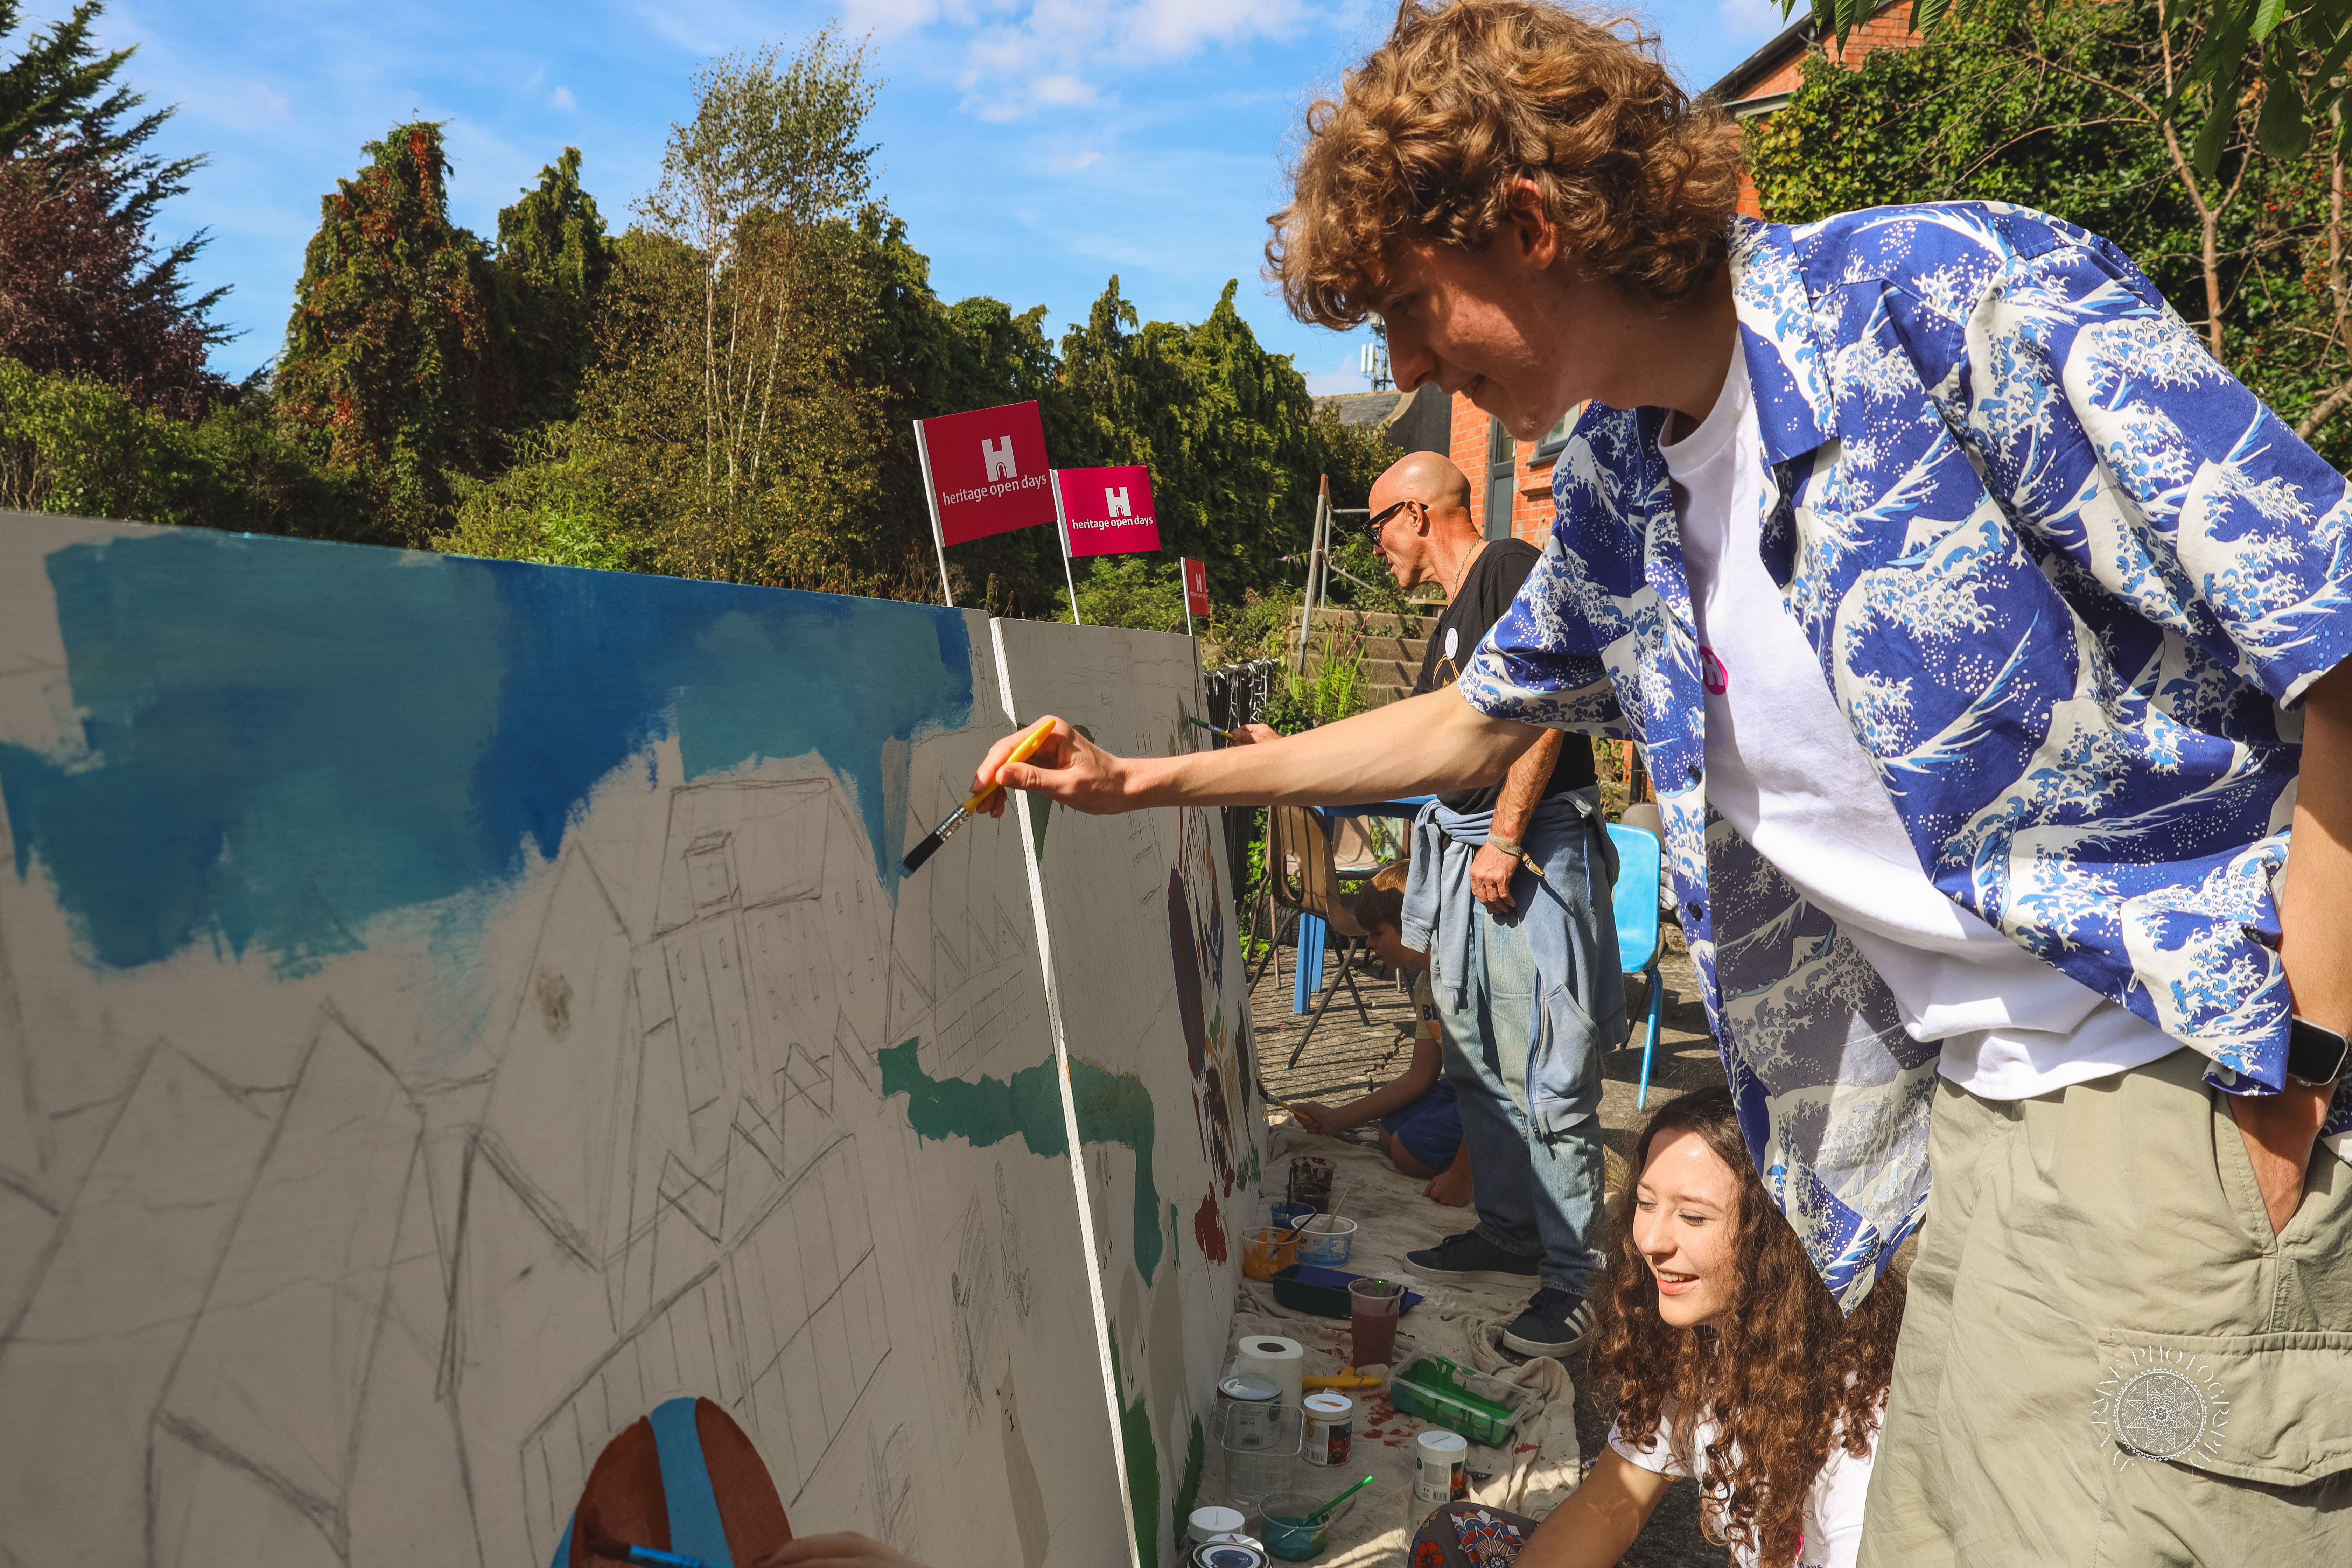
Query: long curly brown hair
{"x":1463,"y":98}
{"x":1782,"y":1374}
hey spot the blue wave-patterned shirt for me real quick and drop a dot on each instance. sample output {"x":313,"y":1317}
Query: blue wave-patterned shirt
{"x":2066,"y":579}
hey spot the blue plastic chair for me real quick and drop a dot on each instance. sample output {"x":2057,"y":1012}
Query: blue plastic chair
{"x":1635,"y":902}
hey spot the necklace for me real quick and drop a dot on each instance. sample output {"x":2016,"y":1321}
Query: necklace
{"x":1468,"y":560}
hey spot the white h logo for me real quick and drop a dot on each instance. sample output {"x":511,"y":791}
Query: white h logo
{"x":1000,"y":463}
{"x":1116,"y":499}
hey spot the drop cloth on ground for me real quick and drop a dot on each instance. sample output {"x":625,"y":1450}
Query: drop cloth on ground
{"x":1463,"y":1321}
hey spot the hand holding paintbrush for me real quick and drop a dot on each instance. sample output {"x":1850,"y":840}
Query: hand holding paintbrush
{"x":993,"y":790}
{"x":1062,"y":764}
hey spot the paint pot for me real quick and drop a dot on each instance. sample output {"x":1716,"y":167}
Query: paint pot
{"x":1326,"y":1241}
{"x":1330,"y":1428}
{"x":1310,"y":1182}
{"x":1251,"y":1406}
{"x":1238,"y":1552}
{"x":1285,"y":1531}
{"x":1208,"y":1524}
{"x":1292,"y":1216}
{"x":1267,"y":1251}
{"x":1438,"y":1460}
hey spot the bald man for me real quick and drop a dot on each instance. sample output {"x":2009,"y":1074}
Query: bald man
{"x":1525,"y":974}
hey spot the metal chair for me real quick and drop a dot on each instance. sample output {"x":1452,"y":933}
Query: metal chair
{"x":1304,"y":877}
{"x":1356,"y":854}
{"x":1635,"y":902}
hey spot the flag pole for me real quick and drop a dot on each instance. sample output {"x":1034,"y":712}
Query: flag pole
{"x":1314,"y":559}
{"x":1062,"y":525}
{"x":1185,"y":581}
{"x":932,"y":500}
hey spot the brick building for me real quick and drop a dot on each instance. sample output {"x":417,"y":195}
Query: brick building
{"x":1510,"y":481}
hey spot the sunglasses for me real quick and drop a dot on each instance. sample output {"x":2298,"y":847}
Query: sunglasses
{"x":1380,"y":520}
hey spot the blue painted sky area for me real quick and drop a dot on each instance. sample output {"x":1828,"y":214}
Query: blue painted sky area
{"x":287,"y":740}
{"x":1035,"y":147}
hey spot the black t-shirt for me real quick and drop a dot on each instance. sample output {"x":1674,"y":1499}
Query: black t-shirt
{"x":1488,"y":591}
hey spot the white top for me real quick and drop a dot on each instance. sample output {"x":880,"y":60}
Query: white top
{"x":1833,"y":1523}
{"x":1807,"y":797}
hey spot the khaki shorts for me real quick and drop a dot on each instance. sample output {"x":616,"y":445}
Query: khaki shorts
{"x":2108,"y":1358}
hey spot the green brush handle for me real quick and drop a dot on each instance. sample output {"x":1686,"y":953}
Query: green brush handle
{"x":1317,"y":1517}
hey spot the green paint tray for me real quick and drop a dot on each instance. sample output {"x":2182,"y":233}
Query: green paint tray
{"x":1311,"y":1287}
{"x":1482,"y":1408}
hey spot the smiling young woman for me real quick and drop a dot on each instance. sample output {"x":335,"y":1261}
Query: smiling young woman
{"x":1732,"y":1364}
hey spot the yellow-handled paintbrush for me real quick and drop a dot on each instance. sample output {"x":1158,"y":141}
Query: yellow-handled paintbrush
{"x":939,"y":835}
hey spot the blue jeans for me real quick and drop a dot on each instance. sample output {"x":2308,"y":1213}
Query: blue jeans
{"x":1537,"y":1196}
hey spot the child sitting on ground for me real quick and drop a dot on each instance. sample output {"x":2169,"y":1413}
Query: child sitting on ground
{"x":1421,"y":1126}
{"x":1733,"y":1364}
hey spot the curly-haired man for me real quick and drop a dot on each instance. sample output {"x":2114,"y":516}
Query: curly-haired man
{"x":1982,"y":634}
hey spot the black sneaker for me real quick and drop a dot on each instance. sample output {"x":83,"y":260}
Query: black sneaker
{"x":1471,"y":1259}
{"x":1555,"y":1324}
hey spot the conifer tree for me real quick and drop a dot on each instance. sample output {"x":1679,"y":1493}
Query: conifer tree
{"x":83,"y":290}
{"x":555,"y":261}
{"x":398,"y":358}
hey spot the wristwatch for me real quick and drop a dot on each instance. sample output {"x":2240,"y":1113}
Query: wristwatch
{"x":2314,"y":1053}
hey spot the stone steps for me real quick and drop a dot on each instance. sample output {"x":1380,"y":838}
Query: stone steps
{"x":1391,"y":647}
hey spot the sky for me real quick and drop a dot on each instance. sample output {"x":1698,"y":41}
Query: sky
{"x":1033,"y":147}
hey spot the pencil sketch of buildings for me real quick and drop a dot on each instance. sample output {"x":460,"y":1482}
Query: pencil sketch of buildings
{"x":337,"y":1238}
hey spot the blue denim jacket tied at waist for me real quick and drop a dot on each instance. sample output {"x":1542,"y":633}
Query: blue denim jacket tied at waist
{"x":1570,"y":927}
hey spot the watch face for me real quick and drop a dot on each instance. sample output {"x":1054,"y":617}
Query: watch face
{"x":2314,"y":1054}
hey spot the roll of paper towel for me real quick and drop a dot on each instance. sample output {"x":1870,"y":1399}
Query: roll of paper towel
{"x":1272,"y":1356}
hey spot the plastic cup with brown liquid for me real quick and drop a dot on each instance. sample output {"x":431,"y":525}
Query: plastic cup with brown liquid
{"x":1373,"y":1307}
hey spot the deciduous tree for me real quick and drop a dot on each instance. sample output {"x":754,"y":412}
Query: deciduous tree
{"x":2061,"y":105}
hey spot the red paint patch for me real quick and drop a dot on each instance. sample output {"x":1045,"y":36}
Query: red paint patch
{"x":1526,"y":1448}
{"x":1209,"y":1230}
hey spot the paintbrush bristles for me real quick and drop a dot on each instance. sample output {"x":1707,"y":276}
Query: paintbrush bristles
{"x":930,"y":847}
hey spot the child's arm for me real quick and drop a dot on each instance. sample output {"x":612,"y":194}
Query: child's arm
{"x":1390,"y":1097}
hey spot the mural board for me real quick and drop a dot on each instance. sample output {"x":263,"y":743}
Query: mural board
{"x":1145,"y":967}
{"x":455,"y":1013}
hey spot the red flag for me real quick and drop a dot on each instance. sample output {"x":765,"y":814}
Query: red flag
{"x":1110,"y":510}
{"x":986,"y":471}
{"x":1196,"y":586}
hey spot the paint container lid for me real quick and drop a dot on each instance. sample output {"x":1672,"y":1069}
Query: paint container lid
{"x":1243,"y":1554}
{"x":1326,"y":1406}
{"x":1443,"y":1445}
{"x":1249,"y":1388}
{"x":1212,"y":1524}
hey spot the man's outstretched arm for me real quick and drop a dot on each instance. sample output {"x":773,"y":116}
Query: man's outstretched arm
{"x":1433,"y":743}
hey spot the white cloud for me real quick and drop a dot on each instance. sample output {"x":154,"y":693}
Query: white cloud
{"x":1060,"y":53}
{"x":1062,"y":87}
{"x":1177,"y":27}
{"x":562,"y":99}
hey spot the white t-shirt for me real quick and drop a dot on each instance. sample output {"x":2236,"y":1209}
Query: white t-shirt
{"x":1833,"y":1523}
{"x":1785,"y":770}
